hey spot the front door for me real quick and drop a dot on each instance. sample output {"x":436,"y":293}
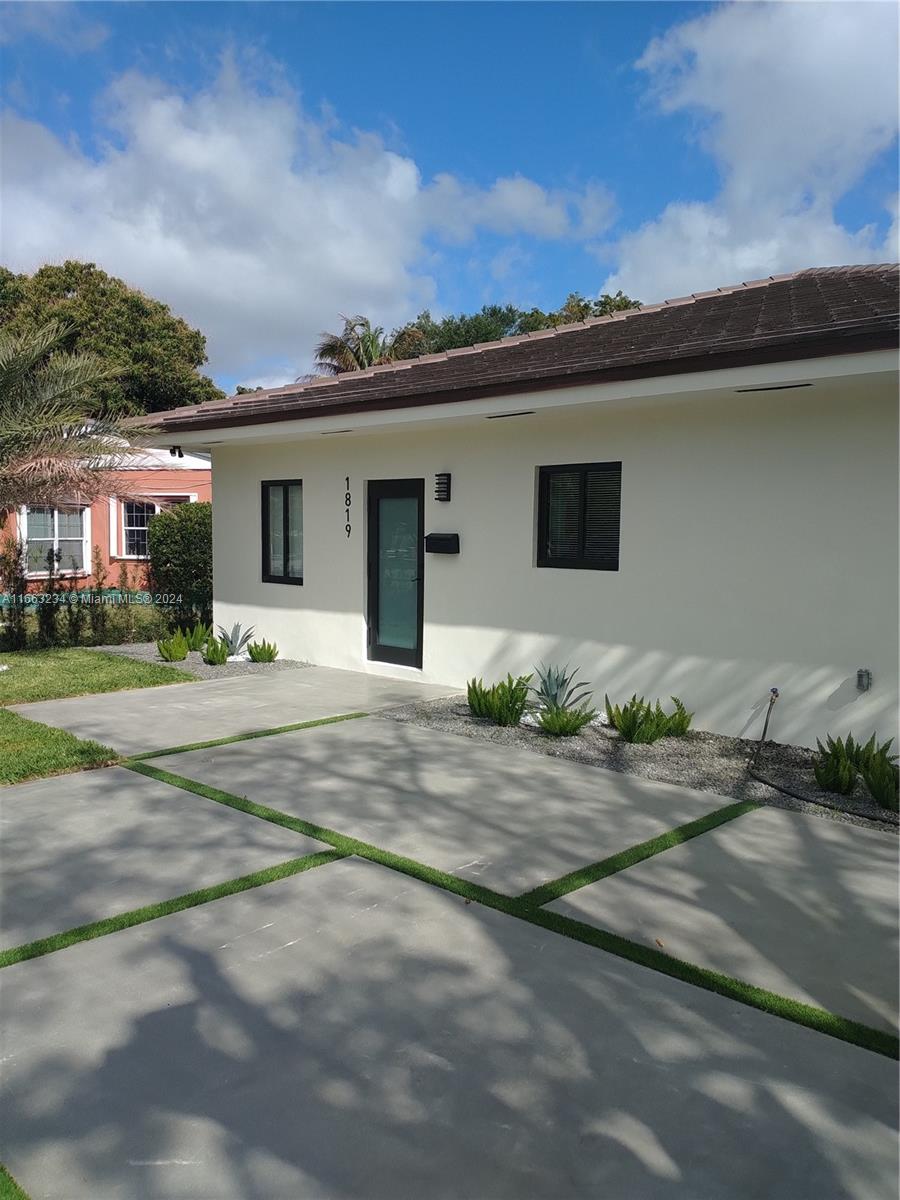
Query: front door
{"x":396,"y":570}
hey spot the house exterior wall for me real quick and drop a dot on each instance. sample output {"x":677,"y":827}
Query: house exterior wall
{"x":758,"y":549}
{"x":152,"y":483}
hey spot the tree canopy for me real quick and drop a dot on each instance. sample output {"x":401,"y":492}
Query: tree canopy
{"x":361,"y":345}
{"x":153,"y":356}
{"x":50,"y":452}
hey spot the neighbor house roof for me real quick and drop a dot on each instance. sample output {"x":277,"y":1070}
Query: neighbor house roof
{"x":808,"y":314}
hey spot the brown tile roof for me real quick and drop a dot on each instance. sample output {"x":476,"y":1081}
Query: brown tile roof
{"x":818,"y":312}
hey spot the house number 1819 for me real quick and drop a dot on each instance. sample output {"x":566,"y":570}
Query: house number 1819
{"x":348,"y":500}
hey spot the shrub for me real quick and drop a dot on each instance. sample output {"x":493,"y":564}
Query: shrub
{"x":48,"y":608}
{"x":98,"y":610}
{"x":179,"y":543}
{"x":510,"y":700}
{"x":557,"y":688}
{"x":197,"y":637}
{"x":882,"y":778}
{"x":504,"y":703}
{"x":173,"y":649}
{"x":262,"y":651}
{"x":864,"y":755}
{"x":237,"y":639}
{"x":639,"y":722}
{"x":835,"y":768}
{"x":215,"y":652}
{"x":560,"y":721}
{"x":679,"y":722}
{"x":75,"y":612}
{"x":14,"y":582}
{"x":479,"y":698}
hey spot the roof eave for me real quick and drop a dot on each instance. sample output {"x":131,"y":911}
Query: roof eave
{"x":822,"y":346}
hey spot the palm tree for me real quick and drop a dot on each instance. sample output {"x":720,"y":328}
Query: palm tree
{"x":52,"y":450}
{"x":360,"y":344}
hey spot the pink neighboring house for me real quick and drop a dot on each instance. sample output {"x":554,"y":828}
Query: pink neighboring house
{"x":118,"y":525}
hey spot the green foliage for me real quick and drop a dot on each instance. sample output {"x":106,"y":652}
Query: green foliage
{"x":76,"y":612}
{"x":679,"y":722}
{"x":98,"y":611}
{"x":557,"y":688}
{"x":479,"y":698}
{"x":198,"y":636}
{"x":504,"y":703}
{"x":424,"y":335}
{"x":835,"y":766}
{"x":262,"y":651}
{"x":215,"y":652}
{"x":360,"y":344}
{"x":882,"y":778}
{"x":839,"y":762}
{"x":237,"y":639}
{"x":863,"y":755}
{"x":560,"y":721}
{"x":642,"y":723}
{"x":174,"y":648}
{"x":179,"y":543}
{"x":14,"y":583}
{"x":49,"y":450}
{"x":151,"y":355}
{"x":48,"y":609}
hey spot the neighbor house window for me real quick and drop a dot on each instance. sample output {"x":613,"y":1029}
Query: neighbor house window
{"x":282,"y":531}
{"x":578,"y":516}
{"x":136,"y":516}
{"x":61,"y":532}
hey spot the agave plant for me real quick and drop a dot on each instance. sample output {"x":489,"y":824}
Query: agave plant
{"x":237,"y":639}
{"x":556,"y":688}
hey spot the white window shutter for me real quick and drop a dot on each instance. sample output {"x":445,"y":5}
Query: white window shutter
{"x":113,"y":527}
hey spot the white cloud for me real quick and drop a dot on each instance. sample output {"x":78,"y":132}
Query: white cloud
{"x":61,"y":24}
{"x":794,"y":102}
{"x":256,"y":221}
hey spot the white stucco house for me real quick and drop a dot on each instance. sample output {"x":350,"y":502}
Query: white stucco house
{"x":698,"y":497}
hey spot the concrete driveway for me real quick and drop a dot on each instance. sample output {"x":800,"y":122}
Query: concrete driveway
{"x":500,"y":815}
{"x":350,"y":1033}
{"x":354,"y":1033}
{"x":177,"y":714}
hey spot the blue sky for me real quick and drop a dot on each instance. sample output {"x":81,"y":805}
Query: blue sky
{"x":263,"y":167}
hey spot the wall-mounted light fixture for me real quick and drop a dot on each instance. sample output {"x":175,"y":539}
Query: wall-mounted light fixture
{"x":863,"y":679}
{"x":442,"y":486}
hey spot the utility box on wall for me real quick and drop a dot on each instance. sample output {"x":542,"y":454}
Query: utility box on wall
{"x":442,"y":543}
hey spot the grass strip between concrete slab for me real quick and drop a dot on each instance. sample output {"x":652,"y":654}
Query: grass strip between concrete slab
{"x":163,"y":908}
{"x":245,"y":737}
{"x":842,"y":1028}
{"x":9,"y":1189}
{"x":554,"y":889}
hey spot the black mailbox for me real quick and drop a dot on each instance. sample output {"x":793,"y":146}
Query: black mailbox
{"x":442,"y":543}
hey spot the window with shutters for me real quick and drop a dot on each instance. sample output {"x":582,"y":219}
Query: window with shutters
{"x":578,"y":516}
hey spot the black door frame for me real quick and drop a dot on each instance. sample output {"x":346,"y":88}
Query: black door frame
{"x":392,"y":489}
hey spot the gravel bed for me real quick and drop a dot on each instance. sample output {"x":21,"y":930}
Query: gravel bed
{"x":194,"y":664}
{"x":706,"y":761}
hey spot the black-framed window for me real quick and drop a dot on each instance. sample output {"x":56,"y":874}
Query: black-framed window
{"x":282,"y":531}
{"x":579,"y":508}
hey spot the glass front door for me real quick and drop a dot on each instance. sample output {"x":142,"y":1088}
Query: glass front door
{"x":396,"y":569}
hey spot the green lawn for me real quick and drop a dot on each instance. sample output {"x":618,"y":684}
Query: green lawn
{"x":54,"y":674}
{"x":29,"y":750}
